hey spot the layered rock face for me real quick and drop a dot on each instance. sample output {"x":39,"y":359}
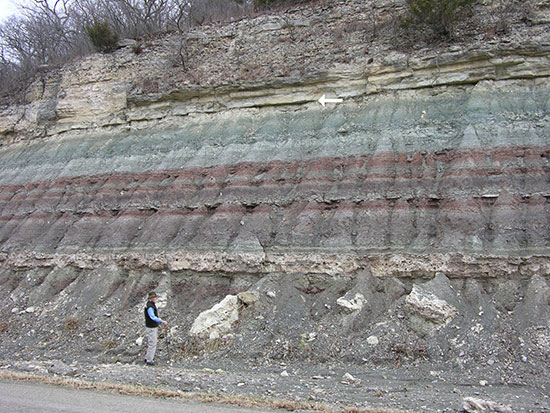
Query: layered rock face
{"x":451,"y":171}
{"x":434,"y":162}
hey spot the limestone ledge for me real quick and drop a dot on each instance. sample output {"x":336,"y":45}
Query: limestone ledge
{"x":400,"y":265}
{"x":112,"y":102}
{"x":457,"y":67}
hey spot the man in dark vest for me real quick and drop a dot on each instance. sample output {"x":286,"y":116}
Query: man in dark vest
{"x":152,"y":321}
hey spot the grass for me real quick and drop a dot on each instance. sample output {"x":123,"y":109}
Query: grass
{"x":109,"y":344}
{"x":71,"y":325}
{"x":148,"y":391}
{"x":4,"y":326}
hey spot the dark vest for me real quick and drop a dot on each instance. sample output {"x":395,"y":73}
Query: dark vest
{"x":148,"y":322}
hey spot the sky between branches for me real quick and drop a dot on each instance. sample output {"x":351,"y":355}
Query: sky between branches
{"x":7,"y":8}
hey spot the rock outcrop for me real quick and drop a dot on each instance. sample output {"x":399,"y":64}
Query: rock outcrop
{"x":123,"y":173}
{"x":435,"y":161}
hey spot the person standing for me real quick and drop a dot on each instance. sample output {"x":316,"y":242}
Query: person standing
{"x":152,"y":321}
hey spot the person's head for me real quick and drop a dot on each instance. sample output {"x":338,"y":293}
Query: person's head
{"x":152,"y":296}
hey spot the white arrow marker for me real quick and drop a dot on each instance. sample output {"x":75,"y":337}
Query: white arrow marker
{"x":323,"y":100}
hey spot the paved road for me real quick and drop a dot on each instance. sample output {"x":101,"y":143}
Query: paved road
{"x":16,"y":397}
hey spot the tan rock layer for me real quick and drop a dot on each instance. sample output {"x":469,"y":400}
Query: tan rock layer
{"x":343,"y":263}
{"x":269,"y":61}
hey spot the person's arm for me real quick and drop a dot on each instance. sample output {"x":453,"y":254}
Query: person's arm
{"x":151,"y":314}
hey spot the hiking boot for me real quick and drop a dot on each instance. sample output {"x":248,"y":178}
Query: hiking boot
{"x":150,"y":363}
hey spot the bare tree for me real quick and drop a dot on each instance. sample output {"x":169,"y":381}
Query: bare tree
{"x":208,"y":11}
{"x":50,"y":32}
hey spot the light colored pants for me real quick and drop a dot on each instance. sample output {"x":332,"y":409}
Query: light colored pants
{"x":151,"y":334}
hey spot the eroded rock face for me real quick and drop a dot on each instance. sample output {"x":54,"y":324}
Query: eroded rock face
{"x":436,"y":161}
{"x":275,"y":190}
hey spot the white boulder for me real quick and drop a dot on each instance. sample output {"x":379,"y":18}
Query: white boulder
{"x":218,"y":320}
{"x":354,"y":304}
{"x":373,"y":341}
{"x":475,"y":405}
{"x":430,"y":307}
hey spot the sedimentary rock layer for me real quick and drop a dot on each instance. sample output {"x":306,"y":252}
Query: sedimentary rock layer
{"x":437,"y":157}
{"x":460,"y":171}
{"x":380,"y":202}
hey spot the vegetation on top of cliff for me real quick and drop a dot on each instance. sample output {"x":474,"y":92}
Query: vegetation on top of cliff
{"x":440,"y":16}
{"x":102,"y":36}
{"x":47,"y":34}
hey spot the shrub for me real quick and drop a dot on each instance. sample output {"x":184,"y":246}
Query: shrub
{"x":439,"y":15}
{"x":263,"y":4}
{"x":103,"y":37}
